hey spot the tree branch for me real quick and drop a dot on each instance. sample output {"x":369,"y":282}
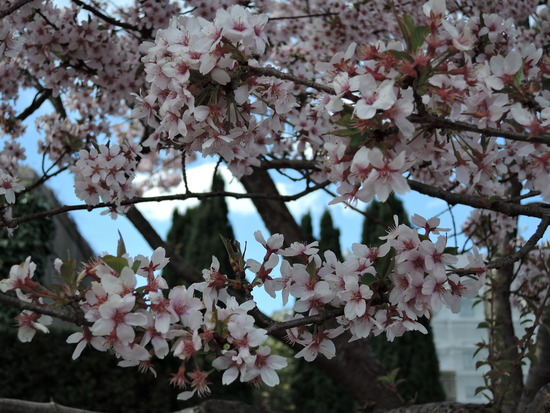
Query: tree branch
{"x":432,"y":120}
{"x":312,"y":319}
{"x":439,"y":122}
{"x":355,"y":364}
{"x":208,"y":406}
{"x":528,"y":246}
{"x":304,"y":16}
{"x":106,"y":18}
{"x":71,"y":317}
{"x":12,"y":223}
{"x":13,"y":8}
{"x":40,"y":98}
{"x":181,"y":267}
{"x":271,"y":71}
{"x":505,"y":207}
{"x":443,"y":407}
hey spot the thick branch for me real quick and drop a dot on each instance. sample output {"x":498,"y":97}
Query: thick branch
{"x":181,"y":267}
{"x":507,"y":208}
{"x":539,"y":372}
{"x":271,"y":71}
{"x":504,"y":357}
{"x":104,"y":17}
{"x":312,"y":319}
{"x":271,"y":206}
{"x":439,"y":122}
{"x":40,"y":98}
{"x":208,"y":406}
{"x":444,"y":407}
{"x":541,"y":402}
{"x":355,"y":364}
{"x":64,"y":315}
{"x":23,"y":406}
{"x":13,"y":8}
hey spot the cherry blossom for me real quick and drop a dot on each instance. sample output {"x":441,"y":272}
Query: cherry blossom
{"x":115,"y":316}
{"x":446,"y":99}
{"x":28,"y":322}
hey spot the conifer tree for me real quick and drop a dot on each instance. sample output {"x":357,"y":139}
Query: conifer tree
{"x":196,"y":233}
{"x":329,"y":236}
{"x":414,"y":353}
{"x":306,"y":226}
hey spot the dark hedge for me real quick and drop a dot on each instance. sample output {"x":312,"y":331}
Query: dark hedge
{"x":43,"y":370}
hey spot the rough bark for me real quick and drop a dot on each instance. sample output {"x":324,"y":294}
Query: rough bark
{"x":208,"y":406}
{"x":355,"y":363}
{"x":541,"y":402}
{"x":507,"y":379}
{"x":275,"y":214}
{"x":183,"y":269}
{"x":227,"y":406}
{"x":539,"y":372}
{"x":509,"y":384}
{"x":443,"y":407}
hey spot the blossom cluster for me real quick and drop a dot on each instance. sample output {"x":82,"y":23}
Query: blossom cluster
{"x":374,"y":291}
{"x":454,"y":96}
{"x":190,"y":66}
{"x":106,"y":173}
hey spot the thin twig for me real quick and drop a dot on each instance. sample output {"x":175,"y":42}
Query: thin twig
{"x":12,"y":223}
{"x":303,"y":16}
{"x":528,"y":246}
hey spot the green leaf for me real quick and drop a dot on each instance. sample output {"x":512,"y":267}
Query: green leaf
{"x":480,"y":363}
{"x":479,"y":389}
{"x":345,"y":121}
{"x":312,"y":269}
{"x":68,"y":271}
{"x":357,"y":140}
{"x":532,"y":357}
{"x":384,"y":266}
{"x":135,"y":265}
{"x":121,"y":248}
{"x":451,"y":250}
{"x":401,"y":55}
{"x":236,"y":257}
{"x":391,"y":377}
{"x":413,"y":35}
{"x":369,"y":279}
{"x":483,"y":324}
{"x":343,"y":132}
{"x":116,"y":263}
{"x":417,"y":39}
{"x":518,"y":76}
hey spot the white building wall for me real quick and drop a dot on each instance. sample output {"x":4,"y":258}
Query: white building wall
{"x":456,"y":336}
